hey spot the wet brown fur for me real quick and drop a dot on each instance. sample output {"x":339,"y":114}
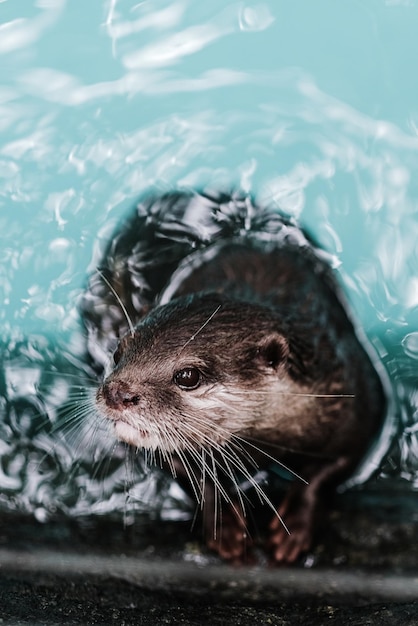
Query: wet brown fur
{"x":283,"y":376}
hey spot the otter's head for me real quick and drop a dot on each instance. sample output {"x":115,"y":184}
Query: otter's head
{"x":195,"y":372}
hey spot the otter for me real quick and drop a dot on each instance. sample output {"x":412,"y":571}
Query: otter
{"x":233,"y":351}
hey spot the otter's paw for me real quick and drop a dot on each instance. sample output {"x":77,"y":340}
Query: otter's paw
{"x":231,"y":540}
{"x":291,"y":534}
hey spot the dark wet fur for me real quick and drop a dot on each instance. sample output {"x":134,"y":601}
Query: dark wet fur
{"x":264,"y":312}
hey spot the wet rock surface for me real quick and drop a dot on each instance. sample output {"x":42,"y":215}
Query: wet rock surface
{"x":50,"y":600}
{"x":96,"y":571}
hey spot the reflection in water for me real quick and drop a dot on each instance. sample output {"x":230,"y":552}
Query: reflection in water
{"x":95,"y":111}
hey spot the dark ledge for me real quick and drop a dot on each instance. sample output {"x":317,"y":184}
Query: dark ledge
{"x":364,"y":569}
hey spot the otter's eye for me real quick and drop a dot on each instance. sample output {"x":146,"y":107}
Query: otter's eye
{"x":188,"y":378}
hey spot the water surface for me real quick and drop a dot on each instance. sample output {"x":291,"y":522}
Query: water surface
{"x":309,"y":106}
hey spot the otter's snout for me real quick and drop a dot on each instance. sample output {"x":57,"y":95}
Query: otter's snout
{"x":118,"y":395}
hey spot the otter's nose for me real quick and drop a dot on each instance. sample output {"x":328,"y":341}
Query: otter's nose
{"x":118,"y":395}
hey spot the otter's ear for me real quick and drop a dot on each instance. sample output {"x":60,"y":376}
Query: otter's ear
{"x":273,"y":351}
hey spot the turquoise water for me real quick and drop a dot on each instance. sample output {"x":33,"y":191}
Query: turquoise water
{"x":311,"y":106}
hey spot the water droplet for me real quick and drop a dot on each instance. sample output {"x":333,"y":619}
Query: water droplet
{"x":410,"y":345}
{"x":255,"y":18}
